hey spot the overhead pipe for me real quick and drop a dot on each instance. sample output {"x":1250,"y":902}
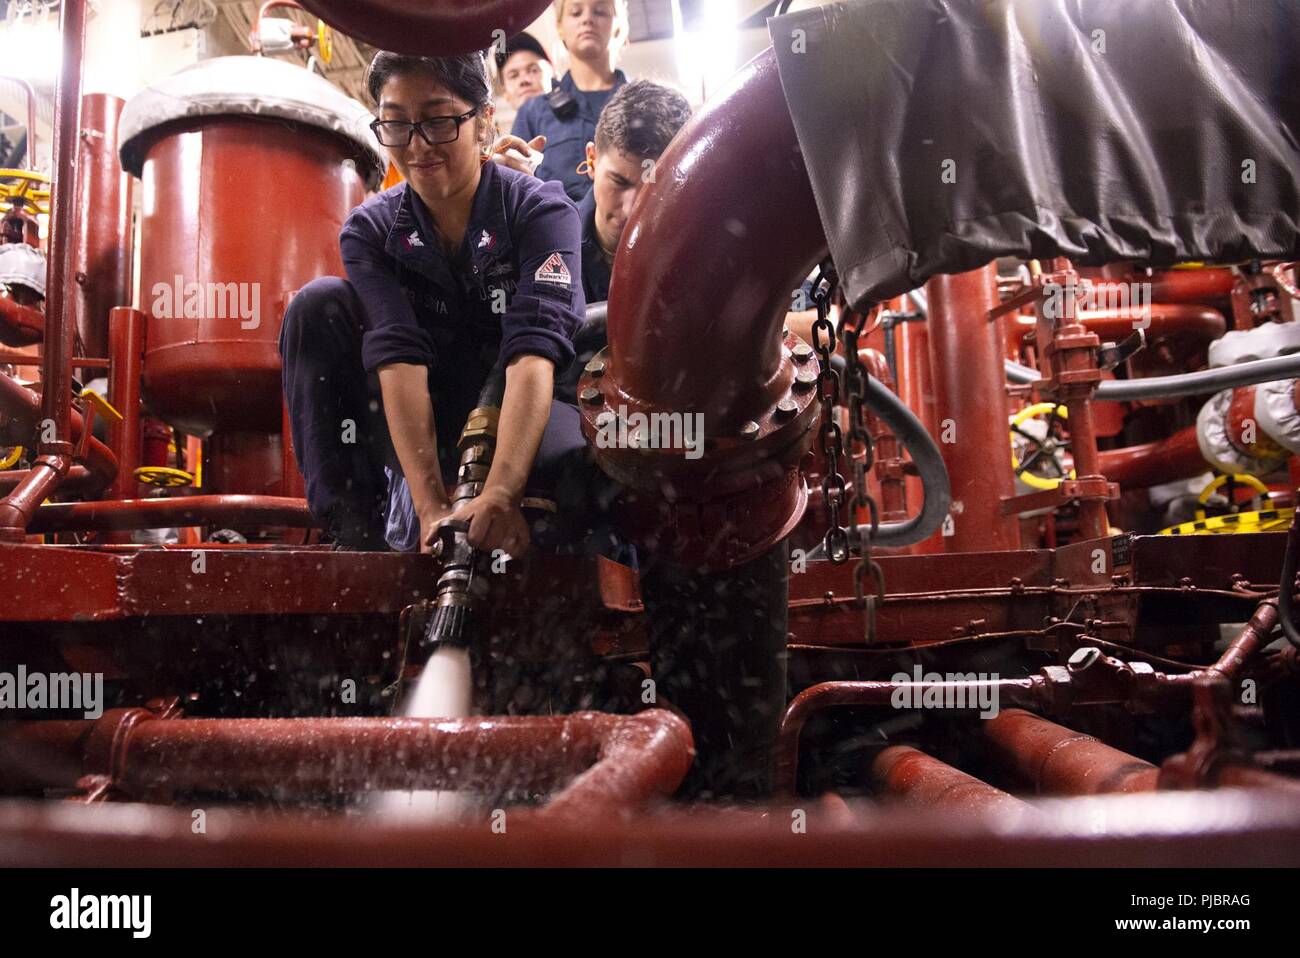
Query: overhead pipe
{"x":428,"y":27}
{"x":684,"y":344}
{"x":79,"y":479}
{"x":54,"y":458}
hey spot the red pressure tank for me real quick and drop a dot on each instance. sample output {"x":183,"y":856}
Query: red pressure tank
{"x":249,"y":167}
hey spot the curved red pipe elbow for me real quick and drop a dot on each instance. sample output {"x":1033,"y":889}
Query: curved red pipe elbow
{"x":710,"y":257}
{"x":20,"y":325}
{"x":1153,"y":463}
{"x":428,"y":27}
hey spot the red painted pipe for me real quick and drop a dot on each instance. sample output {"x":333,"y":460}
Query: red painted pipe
{"x":20,"y":411}
{"x":102,"y":263}
{"x":20,"y":325}
{"x":126,"y":328}
{"x":603,"y":762}
{"x":910,"y":775}
{"x":1178,"y":286}
{"x":1183,"y":829}
{"x":1253,"y":636}
{"x":1153,"y":463}
{"x":1055,"y":760}
{"x":65,"y":232}
{"x":79,"y":479}
{"x":1165,"y":319}
{"x":428,"y":27}
{"x":970,"y":408}
{"x":169,"y":513}
{"x":816,"y":698}
{"x":54,"y":458}
{"x":679,"y":339}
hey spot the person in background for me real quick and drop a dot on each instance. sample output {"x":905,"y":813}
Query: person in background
{"x":524,"y":69}
{"x":635,"y":128}
{"x":593,"y":31}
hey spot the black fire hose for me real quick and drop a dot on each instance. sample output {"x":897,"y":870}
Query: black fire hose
{"x":937,"y":489}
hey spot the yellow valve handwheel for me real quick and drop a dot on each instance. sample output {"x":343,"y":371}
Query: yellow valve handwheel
{"x":324,"y":42}
{"x":1265,"y":520}
{"x":163,"y":476}
{"x":1043,"y":447}
{"x":27,"y":192}
{"x":11,"y":460}
{"x":1209,"y":490}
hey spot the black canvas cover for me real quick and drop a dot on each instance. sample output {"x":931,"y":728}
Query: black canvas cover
{"x":940,"y":134}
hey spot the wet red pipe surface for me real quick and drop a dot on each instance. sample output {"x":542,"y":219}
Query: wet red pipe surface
{"x":613,"y":763}
{"x":1055,"y":760}
{"x":911,"y":776}
{"x":166,"y":513}
{"x":826,"y":695}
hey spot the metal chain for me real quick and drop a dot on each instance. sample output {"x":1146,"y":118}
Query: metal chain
{"x":862,"y":453}
{"x":834,"y":488}
{"x":852,"y":394}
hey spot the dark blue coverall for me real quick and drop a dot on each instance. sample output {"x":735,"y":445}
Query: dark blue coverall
{"x":514,"y":288}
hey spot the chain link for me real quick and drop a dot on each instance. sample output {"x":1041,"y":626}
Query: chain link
{"x":834,"y":485}
{"x":851,"y":393}
{"x":862,"y":453}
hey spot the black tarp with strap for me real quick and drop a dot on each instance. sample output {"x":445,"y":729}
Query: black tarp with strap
{"x":941,"y":134}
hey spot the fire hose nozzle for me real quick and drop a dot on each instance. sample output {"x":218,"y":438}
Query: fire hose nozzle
{"x":455,"y":605}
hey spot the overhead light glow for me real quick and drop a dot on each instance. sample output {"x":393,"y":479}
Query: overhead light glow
{"x":31,"y":47}
{"x":706,"y":55}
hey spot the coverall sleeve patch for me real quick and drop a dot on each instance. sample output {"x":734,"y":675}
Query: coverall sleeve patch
{"x":555,"y":272}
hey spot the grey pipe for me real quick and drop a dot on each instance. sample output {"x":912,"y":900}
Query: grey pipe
{"x":1249,"y":373}
{"x":929,"y":464}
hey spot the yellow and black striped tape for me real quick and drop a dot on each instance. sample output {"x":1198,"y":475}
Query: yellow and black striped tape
{"x":1265,"y":520}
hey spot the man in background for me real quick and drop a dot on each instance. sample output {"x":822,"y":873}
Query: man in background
{"x":524,"y":69}
{"x":634,"y":129}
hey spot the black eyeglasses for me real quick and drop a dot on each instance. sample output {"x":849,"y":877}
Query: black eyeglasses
{"x":434,"y":130}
